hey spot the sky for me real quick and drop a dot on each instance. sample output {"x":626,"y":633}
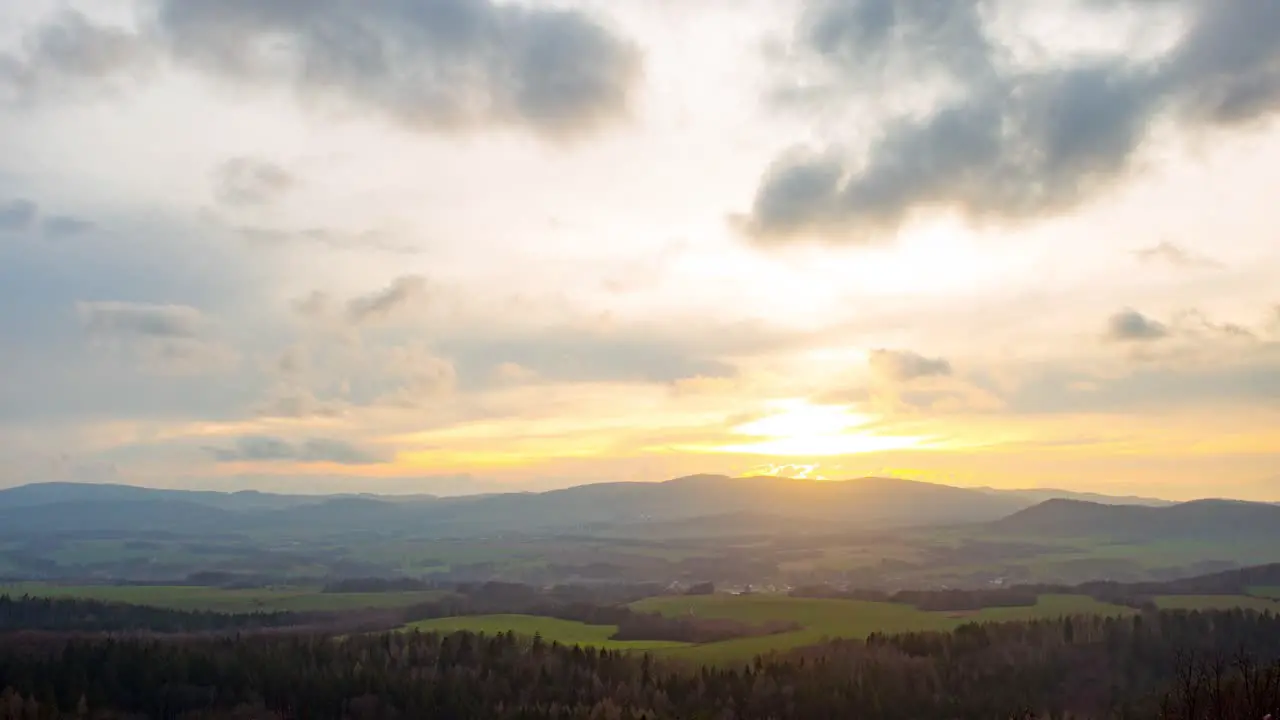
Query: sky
{"x":457,"y":246}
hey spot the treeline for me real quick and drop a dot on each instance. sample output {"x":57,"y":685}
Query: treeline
{"x":1138,"y":595}
{"x":603,"y":605}
{"x":1176,"y":666}
{"x":939,"y":600}
{"x":379,"y":585}
{"x":92,"y":616}
{"x":1230,"y":582}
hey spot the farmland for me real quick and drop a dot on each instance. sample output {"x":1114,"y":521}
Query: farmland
{"x":565,"y":632}
{"x":822,"y":618}
{"x":182,"y":597}
{"x":819,"y":619}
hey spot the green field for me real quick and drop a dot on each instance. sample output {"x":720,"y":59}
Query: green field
{"x":821,"y":619}
{"x":852,"y":619}
{"x":183,"y":597}
{"x":1265,"y":592}
{"x":565,"y":632}
{"x":1216,"y":602}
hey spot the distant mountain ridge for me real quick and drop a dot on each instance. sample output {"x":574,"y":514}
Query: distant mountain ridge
{"x":36,"y":494}
{"x":865,"y":502}
{"x":713,"y":504}
{"x":1041,"y":494}
{"x":1217,"y":519}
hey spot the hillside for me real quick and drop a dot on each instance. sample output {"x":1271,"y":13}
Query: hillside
{"x":1218,"y":520}
{"x":604,"y":507}
{"x":1038,"y":495}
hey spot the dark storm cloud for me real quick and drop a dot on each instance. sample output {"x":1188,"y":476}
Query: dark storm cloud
{"x":904,"y":365}
{"x":1016,"y":144}
{"x":1131,"y":325}
{"x":264,"y":448}
{"x":437,"y":64}
{"x":248,"y":181}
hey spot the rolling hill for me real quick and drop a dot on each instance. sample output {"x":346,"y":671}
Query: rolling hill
{"x":707,"y":505}
{"x":605,"y":507}
{"x":1197,"y":520}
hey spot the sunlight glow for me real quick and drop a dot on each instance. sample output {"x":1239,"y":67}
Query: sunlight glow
{"x":800,"y":429}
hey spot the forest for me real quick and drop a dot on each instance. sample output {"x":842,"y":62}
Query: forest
{"x":1176,"y":665}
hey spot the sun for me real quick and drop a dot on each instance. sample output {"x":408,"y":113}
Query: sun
{"x":798,"y":428}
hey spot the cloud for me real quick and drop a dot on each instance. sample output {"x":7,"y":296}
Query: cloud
{"x":71,"y":53}
{"x":907,"y":383}
{"x":379,"y":305}
{"x":141,"y":320}
{"x":21,"y":215}
{"x":509,"y":373}
{"x":61,"y":227}
{"x":1171,"y":254}
{"x":314,"y":305}
{"x":170,"y":338}
{"x":17,"y":215}
{"x":1250,"y":379}
{"x":446,"y":64}
{"x":1009,"y":142}
{"x":1131,"y":325}
{"x":371,"y":240}
{"x":576,"y":354}
{"x":136,"y":289}
{"x":904,"y":365}
{"x":264,"y":448}
{"x":421,"y":376}
{"x":244,"y":181}
{"x":913,"y":36}
{"x":1195,"y":324}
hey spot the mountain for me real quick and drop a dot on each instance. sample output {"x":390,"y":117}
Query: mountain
{"x":1199,"y":519}
{"x":1037,"y":495}
{"x":604,"y":507}
{"x":712,"y":505}
{"x":143,"y":515}
{"x":1237,"y":581}
{"x":37,"y":494}
{"x":865,"y":502}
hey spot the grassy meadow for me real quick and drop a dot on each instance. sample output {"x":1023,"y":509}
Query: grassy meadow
{"x":819,"y":619}
{"x":565,"y":632}
{"x":851,"y":619}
